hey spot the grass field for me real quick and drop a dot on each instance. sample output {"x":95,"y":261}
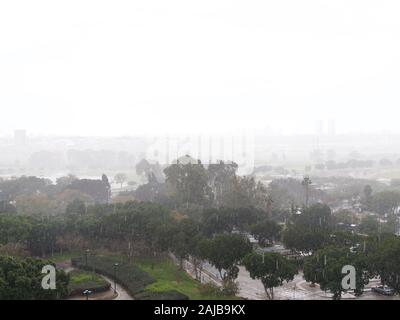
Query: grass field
{"x":127,"y":274}
{"x":83,"y":280}
{"x":67,"y":255}
{"x":169,"y":277}
{"x":145,"y":275}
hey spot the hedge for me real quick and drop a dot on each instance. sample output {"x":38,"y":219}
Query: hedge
{"x":167,"y":295}
{"x":88,"y":281}
{"x":130,"y":277}
{"x":133,"y":279}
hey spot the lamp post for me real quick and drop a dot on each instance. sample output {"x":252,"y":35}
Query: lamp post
{"x":294,"y":292}
{"x":306,"y":184}
{"x":86,"y":257}
{"x":87,"y":293}
{"x":115,"y":265}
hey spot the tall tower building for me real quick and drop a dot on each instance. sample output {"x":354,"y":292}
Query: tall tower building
{"x":319,"y":128}
{"x":20,"y":138}
{"x":332,"y":127}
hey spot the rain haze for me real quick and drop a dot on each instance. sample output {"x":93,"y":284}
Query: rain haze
{"x":200,"y":150}
{"x":140,"y":67}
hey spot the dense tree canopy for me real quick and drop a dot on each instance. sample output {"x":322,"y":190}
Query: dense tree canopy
{"x":225,"y":252}
{"x":266,"y":232}
{"x":385,"y":202}
{"x":325,"y":268}
{"x":188,"y":183}
{"x":20,"y":279}
{"x":271,"y":268}
{"x":385,"y":262}
{"x":309,"y":230}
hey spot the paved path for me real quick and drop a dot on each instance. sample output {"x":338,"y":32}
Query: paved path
{"x":122,"y":294}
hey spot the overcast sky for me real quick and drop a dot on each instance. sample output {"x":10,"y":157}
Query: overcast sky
{"x":130,"y":67}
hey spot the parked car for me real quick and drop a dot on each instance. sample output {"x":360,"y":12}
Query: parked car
{"x":387,"y":291}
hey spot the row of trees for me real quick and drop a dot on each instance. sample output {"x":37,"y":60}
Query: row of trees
{"x":211,"y":232}
{"x":137,"y":229}
{"x":38,"y":196}
{"x":216,"y":236}
{"x":190,"y":183}
{"x":326,"y":249}
{"x":226,"y":251}
{"x":383,"y":202}
{"x":376,"y":257}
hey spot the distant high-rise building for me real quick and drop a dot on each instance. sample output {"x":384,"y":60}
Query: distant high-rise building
{"x":325,"y":127}
{"x":331,"y":127}
{"x":20,"y":138}
{"x":320,"y":128}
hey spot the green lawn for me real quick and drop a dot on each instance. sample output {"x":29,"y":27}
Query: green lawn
{"x":157,"y":279}
{"x":66,"y":255}
{"x":82,"y":280}
{"x":169,"y":277}
{"x":127,"y":274}
{"x":81,"y":277}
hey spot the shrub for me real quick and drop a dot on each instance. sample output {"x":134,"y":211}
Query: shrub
{"x":211,"y":289}
{"x":230,"y":288}
{"x":81,"y":281}
{"x":21,"y":279}
{"x":166,"y":295}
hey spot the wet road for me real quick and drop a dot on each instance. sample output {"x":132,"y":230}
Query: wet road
{"x":299,"y":289}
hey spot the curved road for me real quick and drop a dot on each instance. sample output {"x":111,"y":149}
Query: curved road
{"x":122,"y":294}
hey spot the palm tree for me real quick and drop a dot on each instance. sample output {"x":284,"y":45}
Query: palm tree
{"x":306,"y":183}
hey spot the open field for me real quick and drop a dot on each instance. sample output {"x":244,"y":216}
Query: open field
{"x":169,"y":277}
{"x":83,"y":280}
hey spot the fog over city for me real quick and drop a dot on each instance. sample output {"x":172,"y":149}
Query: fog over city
{"x":200,"y":150}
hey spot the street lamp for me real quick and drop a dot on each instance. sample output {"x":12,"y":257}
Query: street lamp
{"x":115,"y":265}
{"x":86,"y":257}
{"x":294,"y":292}
{"x":87,"y":293}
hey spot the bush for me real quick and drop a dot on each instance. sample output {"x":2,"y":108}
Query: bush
{"x":211,"y":289}
{"x":21,"y":279}
{"x":230,"y":288}
{"x":166,"y":295}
